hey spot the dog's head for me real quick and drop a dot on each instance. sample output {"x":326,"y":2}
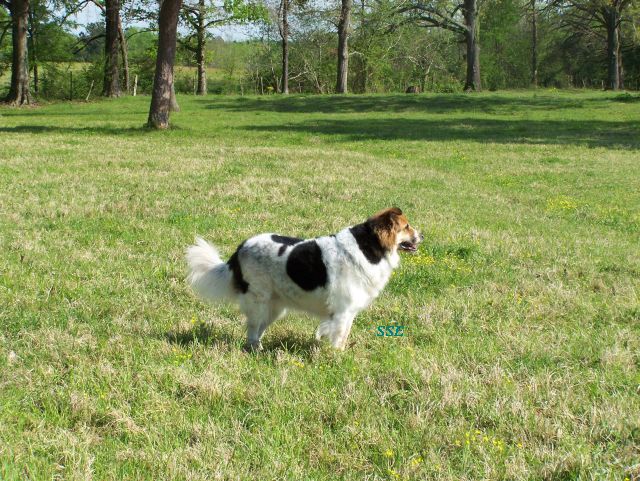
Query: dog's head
{"x":393,"y":229}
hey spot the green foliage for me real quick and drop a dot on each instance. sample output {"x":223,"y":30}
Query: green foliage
{"x":142,"y":57}
{"x":91,"y":42}
{"x":55,"y":81}
{"x":505,"y":36}
{"x":5,"y":43}
{"x":55,"y":44}
{"x":196,"y":16}
{"x":388,"y":53}
{"x":241,"y":11}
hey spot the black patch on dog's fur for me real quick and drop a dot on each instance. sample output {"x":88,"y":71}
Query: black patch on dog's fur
{"x":306,"y":267}
{"x":285,"y":241}
{"x":368,"y":242}
{"x":234,"y":264}
{"x":281,"y":239}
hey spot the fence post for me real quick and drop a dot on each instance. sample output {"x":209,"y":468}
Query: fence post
{"x":89,"y":94}
{"x":135,"y":85}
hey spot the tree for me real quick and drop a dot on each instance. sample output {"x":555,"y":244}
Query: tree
{"x":199,"y":17}
{"x":161,"y":97}
{"x":343,"y":49}
{"x":470,"y":11}
{"x":586,"y":16}
{"x":33,"y":35}
{"x":534,"y":43}
{"x":506,"y":43}
{"x":196,"y":17}
{"x":284,"y":34}
{"x":432,"y":13}
{"x":111,"y":86}
{"x":122,"y":41}
{"x":19,"y":90}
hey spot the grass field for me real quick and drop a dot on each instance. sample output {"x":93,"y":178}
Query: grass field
{"x":521,"y":358}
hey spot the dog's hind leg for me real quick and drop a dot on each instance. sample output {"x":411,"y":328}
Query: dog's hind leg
{"x":336,"y":329}
{"x":257,"y":311}
{"x":260,"y":314}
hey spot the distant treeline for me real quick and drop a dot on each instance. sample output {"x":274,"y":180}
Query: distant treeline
{"x":300,"y":46}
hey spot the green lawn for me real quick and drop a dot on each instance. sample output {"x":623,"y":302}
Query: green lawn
{"x":521,"y":358}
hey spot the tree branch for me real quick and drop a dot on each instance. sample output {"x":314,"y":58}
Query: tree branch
{"x":73,"y":11}
{"x":434,"y":18}
{"x":98,"y":4}
{"x":184,"y":42}
{"x":141,"y":31}
{"x":86,"y":42}
{"x":6,"y":28}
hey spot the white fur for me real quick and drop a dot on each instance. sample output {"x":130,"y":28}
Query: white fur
{"x":209,"y":276}
{"x":352,"y":283}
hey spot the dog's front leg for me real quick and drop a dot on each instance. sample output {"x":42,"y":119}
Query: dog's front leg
{"x":336,"y":329}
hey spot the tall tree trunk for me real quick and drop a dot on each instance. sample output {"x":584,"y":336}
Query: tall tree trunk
{"x":201,"y":46}
{"x":343,"y":47}
{"x":612,"y":18}
{"x":36,"y":76}
{"x":174,"y":107}
{"x":365,"y":65}
{"x":111,"y":86}
{"x":125,"y":54}
{"x":620,"y":67}
{"x":33,"y":31}
{"x":19,"y":90}
{"x":285,"y":47}
{"x":534,"y":44}
{"x":470,"y":11}
{"x":163,"y":77}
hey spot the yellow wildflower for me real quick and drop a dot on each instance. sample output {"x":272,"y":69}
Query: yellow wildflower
{"x":393,"y":473}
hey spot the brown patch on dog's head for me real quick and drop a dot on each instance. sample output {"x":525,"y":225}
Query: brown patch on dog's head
{"x":386,"y":224}
{"x":393,"y":230}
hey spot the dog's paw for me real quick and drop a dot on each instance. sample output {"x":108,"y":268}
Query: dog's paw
{"x":253,"y":347}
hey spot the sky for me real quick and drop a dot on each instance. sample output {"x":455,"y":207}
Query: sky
{"x":90,"y":14}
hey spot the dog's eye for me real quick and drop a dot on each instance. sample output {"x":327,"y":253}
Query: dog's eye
{"x":407,"y":227}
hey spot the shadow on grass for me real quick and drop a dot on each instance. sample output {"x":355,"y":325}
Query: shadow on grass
{"x":80,"y":111}
{"x":216,"y":336}
{"x":102,"y":129}
{"x":437,"y":104}
{"x":294,"y":343}
{"x":592,"y":133}
{"x":201,"y":334}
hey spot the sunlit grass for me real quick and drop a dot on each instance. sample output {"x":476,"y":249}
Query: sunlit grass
{"x":520,"y":358}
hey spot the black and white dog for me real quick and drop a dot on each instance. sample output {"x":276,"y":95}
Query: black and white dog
{"x":332,"y":277}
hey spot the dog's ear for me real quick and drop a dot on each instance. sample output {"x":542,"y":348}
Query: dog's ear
{"x":386,"y":218}
{"x":385,"y":224}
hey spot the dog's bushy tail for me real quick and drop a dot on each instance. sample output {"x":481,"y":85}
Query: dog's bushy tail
{"x":209,"y":276}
